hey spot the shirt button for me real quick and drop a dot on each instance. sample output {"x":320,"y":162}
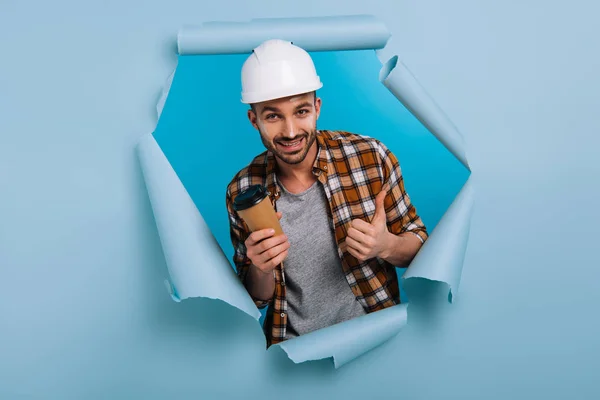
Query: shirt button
{"x":282,"y":315}
{"x":282,"y":283}
{"x":325,"y":167}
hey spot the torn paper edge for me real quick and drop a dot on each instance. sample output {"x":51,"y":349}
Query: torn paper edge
{"x":187,"y":241}
{"x":399,"y":80}
{"x":160,"y":104}
{"x":342,"y":32}
{"x":442,"y":256}
{"x":409,"y":92}
{"x":345,"y":341}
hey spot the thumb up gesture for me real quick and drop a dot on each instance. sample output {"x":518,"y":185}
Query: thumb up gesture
{"x":368,"y":240}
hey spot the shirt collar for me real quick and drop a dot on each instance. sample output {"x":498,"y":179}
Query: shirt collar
{"x":321,"y":160}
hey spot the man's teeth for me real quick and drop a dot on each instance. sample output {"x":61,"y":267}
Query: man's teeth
{"x":291,"y":144}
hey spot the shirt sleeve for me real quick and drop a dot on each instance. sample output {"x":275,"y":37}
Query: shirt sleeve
{"x":238,"y":231}
{"x":401,"y":213}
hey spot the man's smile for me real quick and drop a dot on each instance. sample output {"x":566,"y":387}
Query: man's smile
{"x":291,"y":147}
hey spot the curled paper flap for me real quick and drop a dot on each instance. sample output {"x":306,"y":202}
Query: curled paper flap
{"x":347,"y":340}
{"x":160,"y":104}
{"x":403,"y":84}
{"x":197,"y":265}
{"x":442,"y":255}
{"x":352,"y":32}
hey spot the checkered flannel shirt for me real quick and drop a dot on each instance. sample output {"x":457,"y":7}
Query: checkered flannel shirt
{"x":352,"y":168}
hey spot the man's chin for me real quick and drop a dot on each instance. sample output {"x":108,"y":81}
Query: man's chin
{"x":292,"y":158}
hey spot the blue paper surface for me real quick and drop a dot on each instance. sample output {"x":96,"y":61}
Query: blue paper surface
{"x":353,"y":32}
{"x":84,"y":314}
{"x":442,"y":255}
{"x":347,"y":340}
{"x":197,"y":265}
{"x":398,"y":78}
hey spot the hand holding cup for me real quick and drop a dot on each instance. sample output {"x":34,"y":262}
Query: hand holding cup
{"x":265,"y":249}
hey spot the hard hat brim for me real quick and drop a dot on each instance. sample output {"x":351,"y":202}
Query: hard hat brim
{"x":251,"y":98}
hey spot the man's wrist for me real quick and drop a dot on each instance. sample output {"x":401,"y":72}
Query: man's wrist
{"x":400,"y":249}
{"x":390,"y":242}
{"x":257,"y":283}
{"x":259,"y":272}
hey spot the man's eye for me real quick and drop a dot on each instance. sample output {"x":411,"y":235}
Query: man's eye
{"x":302,"y":112}
{"x":271,"y":116}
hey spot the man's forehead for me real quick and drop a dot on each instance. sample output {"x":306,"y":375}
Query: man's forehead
{"x":299,"y":97}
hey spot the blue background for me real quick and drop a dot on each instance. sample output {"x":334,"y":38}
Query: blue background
{"x":83,"y":310}
{"x":206,"y":136}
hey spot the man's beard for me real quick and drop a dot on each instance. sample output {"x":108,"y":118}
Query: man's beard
{"x":296,"y":157}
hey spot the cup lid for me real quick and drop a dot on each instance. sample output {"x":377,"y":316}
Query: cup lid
{"x":249,"y":197}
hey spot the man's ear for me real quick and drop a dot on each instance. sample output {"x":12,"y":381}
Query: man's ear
{"x":318,"y":106}
{"x":252,"y":118}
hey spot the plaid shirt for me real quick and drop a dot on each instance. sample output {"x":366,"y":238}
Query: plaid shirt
{"x":352,"y":168}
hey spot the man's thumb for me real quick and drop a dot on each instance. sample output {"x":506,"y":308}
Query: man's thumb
{"x":379,"y":204}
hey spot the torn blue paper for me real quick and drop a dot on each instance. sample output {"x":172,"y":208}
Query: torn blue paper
{"x":164,"y":93}
{"x":347,"y":340}
{"x":197,"y":265}
{"x":403,"y":84}
{"x":186,"y":183}
{"x":442,"y":255}
{"x":354,"y":32}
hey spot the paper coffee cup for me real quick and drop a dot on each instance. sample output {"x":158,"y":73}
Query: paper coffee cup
{"x":255,"y":208}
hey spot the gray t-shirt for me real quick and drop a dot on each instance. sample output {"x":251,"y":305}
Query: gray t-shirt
{"x":317,"y":292}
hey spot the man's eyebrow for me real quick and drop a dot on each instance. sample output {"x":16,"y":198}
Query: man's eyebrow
{"x":302,"y":105}
{"x":275,"y":109}
{"x":269,"y":108}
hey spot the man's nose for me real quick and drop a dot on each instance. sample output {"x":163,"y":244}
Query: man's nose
{"x":290,"y":129}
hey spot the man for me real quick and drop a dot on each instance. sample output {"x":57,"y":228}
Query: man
{"x":340,"y":199}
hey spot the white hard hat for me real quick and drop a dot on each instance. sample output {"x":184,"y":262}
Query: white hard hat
{"x":275,"y":69}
